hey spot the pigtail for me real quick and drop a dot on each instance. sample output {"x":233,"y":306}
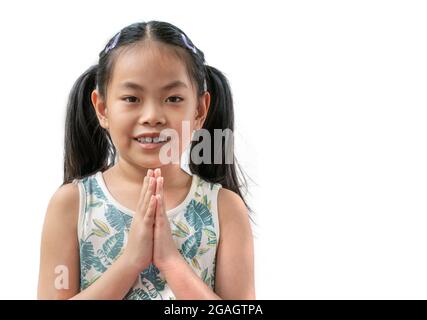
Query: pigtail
{"x":87,"y":146}
{"x":221,"y":116}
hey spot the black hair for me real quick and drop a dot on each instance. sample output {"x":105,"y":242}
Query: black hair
{"x":88,"y":146}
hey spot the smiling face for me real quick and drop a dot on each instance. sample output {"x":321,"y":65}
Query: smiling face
{"x":150,"y":90}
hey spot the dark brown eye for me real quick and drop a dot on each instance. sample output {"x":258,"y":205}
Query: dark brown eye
{"x":132,"y":99}
{"x":174,"y":99}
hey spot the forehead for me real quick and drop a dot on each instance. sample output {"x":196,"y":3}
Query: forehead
{"x":150,"y":65}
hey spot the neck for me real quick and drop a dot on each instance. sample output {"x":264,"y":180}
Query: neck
{"x":174,"y":176}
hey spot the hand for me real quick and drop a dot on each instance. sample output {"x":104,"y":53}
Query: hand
{"x":139,"y":248}
{"x":165,"y":252}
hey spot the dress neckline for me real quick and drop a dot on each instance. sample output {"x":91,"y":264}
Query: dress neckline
{"x":100,"y":179}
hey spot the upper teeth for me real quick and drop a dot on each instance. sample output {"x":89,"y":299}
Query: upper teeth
{"x":152,"y":140}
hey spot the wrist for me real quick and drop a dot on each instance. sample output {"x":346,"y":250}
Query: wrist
{"x":131,"y":264}
{"x":173,"y":262}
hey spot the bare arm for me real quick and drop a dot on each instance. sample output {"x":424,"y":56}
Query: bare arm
{"x":235,"y":256}
{"x":59,"y":274}
{"x":234,"y":278}
{"x":186,"y":284}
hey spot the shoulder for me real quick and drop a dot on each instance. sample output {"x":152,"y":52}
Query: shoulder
{"x":229,"y":200}
{"x":66,"y":193}
{"x":64,"y":204}
{"x":232,"y":211}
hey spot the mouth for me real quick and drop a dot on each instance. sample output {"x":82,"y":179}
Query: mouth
{"x":150,"y":143}
{"x":152,"y":140}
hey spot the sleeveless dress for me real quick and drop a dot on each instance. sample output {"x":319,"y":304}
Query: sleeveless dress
{"x":103,"y":227}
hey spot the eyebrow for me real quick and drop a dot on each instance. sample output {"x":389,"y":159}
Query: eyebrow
{"x":173,"y":84}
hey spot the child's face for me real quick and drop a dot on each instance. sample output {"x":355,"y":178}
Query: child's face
{"x":130,"y":111}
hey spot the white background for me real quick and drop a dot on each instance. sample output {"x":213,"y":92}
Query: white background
{"x":330,"y":100}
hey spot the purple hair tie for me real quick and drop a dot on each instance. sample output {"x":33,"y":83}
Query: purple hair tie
{"x":192,"y":48}
{"x":114,"y":43}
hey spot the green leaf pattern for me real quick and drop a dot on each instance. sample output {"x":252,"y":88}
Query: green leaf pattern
{"x":105,"y":231}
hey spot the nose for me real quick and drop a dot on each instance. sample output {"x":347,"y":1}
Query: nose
{"x":152,"y":115}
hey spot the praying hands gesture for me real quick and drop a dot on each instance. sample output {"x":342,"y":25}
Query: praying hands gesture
{"x":150,"y":241}
{"x":150,"y":237}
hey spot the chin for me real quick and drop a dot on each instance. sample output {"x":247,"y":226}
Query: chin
{"x":149,"y":161}
{"x":150,"y":164}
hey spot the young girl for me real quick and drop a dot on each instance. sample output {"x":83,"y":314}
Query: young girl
{"x":124,"y":224}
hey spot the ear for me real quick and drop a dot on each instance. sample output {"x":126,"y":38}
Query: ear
{"x":100,"y":108}
{"x":202,"y":110}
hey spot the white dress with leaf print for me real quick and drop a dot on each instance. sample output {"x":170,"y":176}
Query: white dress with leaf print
{"x":103,"y":228}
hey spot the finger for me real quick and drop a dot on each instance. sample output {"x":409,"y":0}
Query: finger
{"x":162,"y":180}
{"x":157,"y":173}
{"x":144,"y":189}
{"x":160,"y":212}
{"x":150,"y":172}
{"x":159,"y":187}
{"x":156,"y":176}
{"x":148,"y":194}
{"x":149,"y":216}
{"x":160,"y":199}
{"x":142,"y":193}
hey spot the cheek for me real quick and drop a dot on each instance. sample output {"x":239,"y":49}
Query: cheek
{"x":121,"y":130}
{"x":122,"y":121}
{"x":181,"y":119}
